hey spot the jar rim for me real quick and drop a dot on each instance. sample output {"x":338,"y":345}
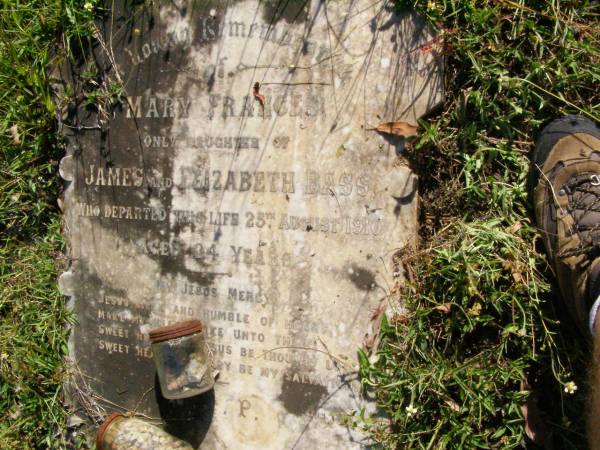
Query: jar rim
{"x":175,"y":330}
{"x":103,"y":427}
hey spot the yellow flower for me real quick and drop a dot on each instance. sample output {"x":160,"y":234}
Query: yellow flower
{"x":475,"y":310}
{"x":430,"y":5}
{"x":88,"y":5}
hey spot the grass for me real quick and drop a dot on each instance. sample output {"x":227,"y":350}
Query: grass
{"x":32,"y":312}
{"x":478,"y":343}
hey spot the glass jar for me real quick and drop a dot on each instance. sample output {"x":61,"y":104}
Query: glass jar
{"x":120,"y":432}
{"x":182,"y":359}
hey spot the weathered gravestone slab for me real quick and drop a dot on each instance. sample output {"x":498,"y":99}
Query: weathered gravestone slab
{"x":241,"y":183}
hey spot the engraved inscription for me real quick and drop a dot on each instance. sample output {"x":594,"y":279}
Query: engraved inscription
{"x":241,"y":183}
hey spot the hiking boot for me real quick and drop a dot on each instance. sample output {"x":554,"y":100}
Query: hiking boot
{"x":565,"y":187}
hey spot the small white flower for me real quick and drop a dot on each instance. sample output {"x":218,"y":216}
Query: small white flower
{"x":213,"y":12}
{"x":411,"y":410}
{"x":570,"y":387}
{"x":88,"y":5}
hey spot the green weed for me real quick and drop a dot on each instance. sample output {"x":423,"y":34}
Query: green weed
{"x":34,"y":35}
{"x":480,"y":333}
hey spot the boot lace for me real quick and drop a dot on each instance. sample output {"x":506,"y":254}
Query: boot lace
{"x":583,"y":193}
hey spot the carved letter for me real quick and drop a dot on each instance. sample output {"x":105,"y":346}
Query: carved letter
{"x":134,"y":107}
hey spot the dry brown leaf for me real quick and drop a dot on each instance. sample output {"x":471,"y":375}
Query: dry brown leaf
{"x":445,"y":308}
{"x":14,"y":133}
{"x":452,"y":405}
{"x":437,"y":43}
{"x":399,"y":319}
{"x":372,"y":336}
{"x":429,"y":46}
{"x":397,"y":129}
{"x":258,"y":96}
{"x":369,"y":342}
{"x":515,"y":227}
{"x":377,"y":311}
{"x":518,"y":277}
